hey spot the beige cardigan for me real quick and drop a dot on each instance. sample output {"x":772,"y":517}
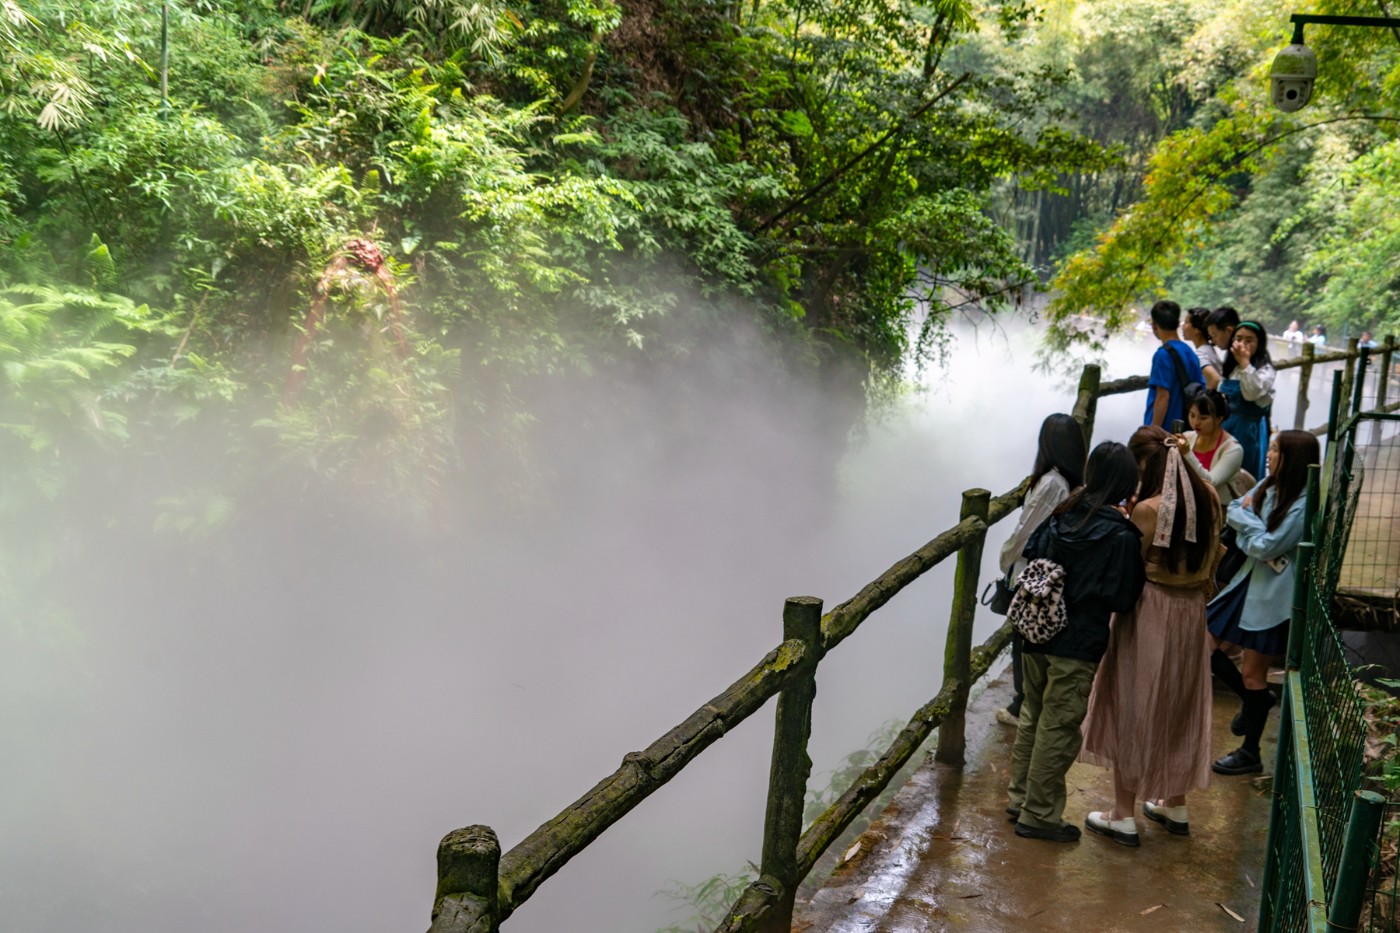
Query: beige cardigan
{"x":1224,"y":467}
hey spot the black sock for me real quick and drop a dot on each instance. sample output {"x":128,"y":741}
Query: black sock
{"x":1223,"y":668}
{"x":1256,"y":713}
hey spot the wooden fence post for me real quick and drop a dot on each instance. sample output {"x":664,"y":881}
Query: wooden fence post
{"x":1349,"y":374}
{"x":1304,"y":377}
{"x":791,"y":766}
{"x":1086,"y":404}
{"x":1383,"y":374}
{"x":957,"y":653}
{"x":468,"y":867}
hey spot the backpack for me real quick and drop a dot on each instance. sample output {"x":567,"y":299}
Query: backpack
{"x":1189,"y":390}
{"x":1037,"y":610}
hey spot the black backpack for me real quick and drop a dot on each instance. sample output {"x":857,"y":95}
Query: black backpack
{"x":1189,"y":390}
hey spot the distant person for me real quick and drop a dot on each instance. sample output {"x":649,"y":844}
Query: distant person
{"x":1174,"y":366}
{"x":1090,"y":536}
{"x":1221,"y":324}
{"x":1249,"y":388}
{"x":1058,"y":471}
{"x":1319,"y":336}
{"x":1294,"y":334}
{"x":1216,"y":456}
{"x":1150,"y":711}
{"x":1195,"y":330}
{"x":1366,"y":342}
{"x":1252,"y":610}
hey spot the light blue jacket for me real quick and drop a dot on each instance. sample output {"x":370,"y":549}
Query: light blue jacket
{"x":1270,"y":597}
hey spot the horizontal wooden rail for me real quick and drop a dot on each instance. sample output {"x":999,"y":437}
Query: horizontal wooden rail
{"x":845,"y":618}
{"x":550,"y":847}
{"x":760,"y":898}
{"x":827,"y":827}
{"x":1136,"y":383}
{"x":1119,"y":386}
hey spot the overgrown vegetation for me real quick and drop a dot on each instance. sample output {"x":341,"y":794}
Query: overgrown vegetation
{"x":356,"y":238}
{"x":1241,"y":204}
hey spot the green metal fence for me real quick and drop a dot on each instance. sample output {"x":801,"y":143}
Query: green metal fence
{"x":1323,"y":831}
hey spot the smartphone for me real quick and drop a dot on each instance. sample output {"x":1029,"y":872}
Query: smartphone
{"x":1178,"y":426}
{"x":1278,"y":564}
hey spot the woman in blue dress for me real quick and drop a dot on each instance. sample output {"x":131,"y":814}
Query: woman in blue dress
{"x":1248,"y":385}
{"x":1253,"y":609}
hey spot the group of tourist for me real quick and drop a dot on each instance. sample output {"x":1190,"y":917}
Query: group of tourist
{"x":1138,"y":530}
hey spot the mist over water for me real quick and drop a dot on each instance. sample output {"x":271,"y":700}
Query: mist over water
{"x":271,"y":732}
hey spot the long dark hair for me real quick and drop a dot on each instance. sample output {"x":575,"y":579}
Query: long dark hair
{"x":1297,"y":450}
{"x":1148,"y":445}
{"x":1110,"y":476}
{"x":1061,"y":448}
{"x":1261,"y":349}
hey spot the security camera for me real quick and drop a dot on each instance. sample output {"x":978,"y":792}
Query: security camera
{"x":1292,"y":76}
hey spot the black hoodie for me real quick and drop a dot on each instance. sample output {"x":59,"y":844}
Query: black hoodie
{"x":1103,"y":574}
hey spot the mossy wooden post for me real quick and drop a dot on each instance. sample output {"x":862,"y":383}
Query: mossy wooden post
{"x":957,"y":653}
{"x":1349,"y":375}
{"x":791,"y":766}
{"x":468,"y":864}
{"x":1086,"y":404}
{"x":1383,"y":375}
{"x":1304,"y":377}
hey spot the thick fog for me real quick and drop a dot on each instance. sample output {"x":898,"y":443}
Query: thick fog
{"x":275,"y":741}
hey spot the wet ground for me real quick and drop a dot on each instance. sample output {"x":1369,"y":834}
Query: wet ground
{"x":944,"y":856}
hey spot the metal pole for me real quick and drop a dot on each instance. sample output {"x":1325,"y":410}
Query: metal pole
{"x":1348,"y":893}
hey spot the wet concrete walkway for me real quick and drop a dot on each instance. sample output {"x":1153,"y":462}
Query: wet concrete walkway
{"x":943,"y":856}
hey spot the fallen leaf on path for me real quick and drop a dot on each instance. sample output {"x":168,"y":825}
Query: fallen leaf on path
{"x":1229,"y":911}
{"x":967,"y":896}
{"x":1249,"y":879}
{"x":851,"y":852}
{"x":1150,"y":909}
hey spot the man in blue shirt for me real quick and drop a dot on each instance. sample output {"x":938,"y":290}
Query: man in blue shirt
{"x":1166,"y":402}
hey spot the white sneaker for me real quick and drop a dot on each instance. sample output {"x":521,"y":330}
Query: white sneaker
{"x":1123,"y":832}
{"x":1005,"y":717}
{"x":1173,"y":818}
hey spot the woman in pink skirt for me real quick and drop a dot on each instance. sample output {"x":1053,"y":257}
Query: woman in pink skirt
{"x":1149,"y":714}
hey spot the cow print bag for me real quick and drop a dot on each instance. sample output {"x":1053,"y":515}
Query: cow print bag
{"x":1038,"y":609}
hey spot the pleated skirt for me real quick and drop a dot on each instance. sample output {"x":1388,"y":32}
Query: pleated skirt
{"x":1150,"y":710}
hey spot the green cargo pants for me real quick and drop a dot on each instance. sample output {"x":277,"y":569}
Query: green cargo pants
{"x":1048,"y":737}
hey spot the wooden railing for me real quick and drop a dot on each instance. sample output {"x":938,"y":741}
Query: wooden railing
{"x":478,"y":887}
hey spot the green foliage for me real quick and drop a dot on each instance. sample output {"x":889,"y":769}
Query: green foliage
{"x":548,"y":186}
{"x":708,"y":901}
{"x":1282,"y":216}
{"x":1352,"y":274}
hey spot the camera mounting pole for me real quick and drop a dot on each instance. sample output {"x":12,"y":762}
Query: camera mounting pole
{"x":1299,"y":20}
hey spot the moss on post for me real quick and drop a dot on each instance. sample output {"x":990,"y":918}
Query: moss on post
{"x":957,"y":653}
{"x":1304,"y":377}
{"x":1086,"y":405}
{"x":466,"y":899}
{"x":791,"y":765}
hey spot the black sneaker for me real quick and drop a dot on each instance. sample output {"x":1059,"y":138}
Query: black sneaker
{"x":1062,"y":833}
{"x":1240,"y":761}
{"x":1013,"y":813}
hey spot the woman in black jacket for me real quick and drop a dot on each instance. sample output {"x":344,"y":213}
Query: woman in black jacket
{"x":1091,"y":537}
